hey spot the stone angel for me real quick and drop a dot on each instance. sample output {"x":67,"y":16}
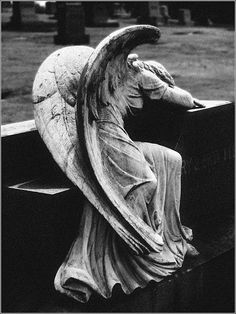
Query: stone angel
{"x":130,"y":231}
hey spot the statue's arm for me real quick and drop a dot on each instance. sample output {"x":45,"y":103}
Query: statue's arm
{"x":155,"y":89}
{"x":178,"y":97}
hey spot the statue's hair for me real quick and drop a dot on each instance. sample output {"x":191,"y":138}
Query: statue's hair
{"x":155,"y":67}
{"x":160,"y":71}
{"x":135,"y":65}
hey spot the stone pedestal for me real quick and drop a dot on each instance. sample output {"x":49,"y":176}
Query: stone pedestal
{"x":71,"y":24}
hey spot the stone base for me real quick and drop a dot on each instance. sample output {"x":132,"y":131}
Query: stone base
{"x":65,"y":40}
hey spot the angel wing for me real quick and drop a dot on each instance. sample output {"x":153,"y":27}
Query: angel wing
{"x":108,"y":58}
{"x":54,"y":96}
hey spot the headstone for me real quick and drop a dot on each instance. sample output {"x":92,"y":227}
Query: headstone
{"x":50,"y":7}
{"x":99,"y":14}
{"x":185,"y":17}
{"x":71,"y":24}
{"x":16,"y":15}
{"x":154,"y":12}
{"x":164,"y":14}
{"x":5,"y":4}
{"x":149,"y":13}
{"x":23,"y":12}
{"x":120,"y":11}
{"x":28,"y":14}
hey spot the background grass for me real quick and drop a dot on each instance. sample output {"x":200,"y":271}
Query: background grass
{"x":201,"y":59}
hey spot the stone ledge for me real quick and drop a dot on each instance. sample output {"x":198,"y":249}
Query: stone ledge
{"x":17,"y":128}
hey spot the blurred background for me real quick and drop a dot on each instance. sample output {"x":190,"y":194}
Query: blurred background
{"x":196,"y":44}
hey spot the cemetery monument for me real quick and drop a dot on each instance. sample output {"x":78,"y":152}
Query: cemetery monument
{"x":131,"y":231}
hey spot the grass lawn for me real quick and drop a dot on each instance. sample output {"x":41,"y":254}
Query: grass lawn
{"x":201,"y":59}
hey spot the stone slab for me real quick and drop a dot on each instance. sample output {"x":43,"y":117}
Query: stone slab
{"x":44,"y":185}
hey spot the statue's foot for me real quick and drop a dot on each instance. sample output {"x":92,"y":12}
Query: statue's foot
{"x":191,"y":250}
{"x":188,"y":233}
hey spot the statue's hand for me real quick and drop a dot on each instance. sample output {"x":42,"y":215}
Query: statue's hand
{"x":198,"y":103}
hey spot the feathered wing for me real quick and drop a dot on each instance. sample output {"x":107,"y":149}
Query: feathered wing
{"x":108,"y":58}
{"x":54,"y":96}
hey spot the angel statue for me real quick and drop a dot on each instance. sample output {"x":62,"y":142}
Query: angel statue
{"x":130,"y":231}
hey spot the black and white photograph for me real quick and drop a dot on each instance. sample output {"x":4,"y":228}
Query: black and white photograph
{"x":117,"y":141}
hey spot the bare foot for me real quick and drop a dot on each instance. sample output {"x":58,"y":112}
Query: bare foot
{"x":191,"y":250}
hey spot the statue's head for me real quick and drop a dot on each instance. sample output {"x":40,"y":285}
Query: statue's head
{"x":135,"y":64}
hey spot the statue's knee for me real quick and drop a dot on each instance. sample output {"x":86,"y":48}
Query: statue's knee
{"x":151,"y":185}
{"x":175,"y":158}
{"x":154,"y":184}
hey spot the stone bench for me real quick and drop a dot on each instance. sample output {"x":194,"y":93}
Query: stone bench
{"x":41,"y":212}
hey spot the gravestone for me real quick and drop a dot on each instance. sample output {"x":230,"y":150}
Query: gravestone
{"x":149,"y":13}
{"x":185,"y":17}
{"x":50,"y":7}
{"x":154,"y":12}
{"x":164,"y":14}
{"x":28,"y":14}
{"x":23,"y":12}
{"x":99,"y":14}
{"x":120,"y":10}
{"x":71,"y":24}
{"x":5,"y":4}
